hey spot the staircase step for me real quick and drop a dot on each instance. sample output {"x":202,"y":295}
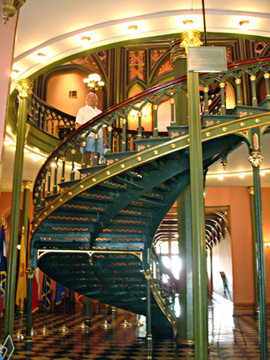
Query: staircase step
{"x":244,"y":111}
{"x":149,"y":203}
{"x":88,"y":171}
{"x":144,"y":144}
{"x":63,"y":236}
{"x":128,"y":182}
{"x":115,"y":157}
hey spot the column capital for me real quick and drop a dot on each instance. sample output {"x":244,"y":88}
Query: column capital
{"x":191,"y":38}
{"x":148,"y":274}
{"x":24,"y":88}
{"x":251,"y":190}
{"x":30,"y":273}
{"x":177,"y":51}
{"x":255,"y":158}
{"x":27,"y":184}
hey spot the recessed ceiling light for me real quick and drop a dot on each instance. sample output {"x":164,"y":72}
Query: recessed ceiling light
{"x":188,"y":22}
{"x":14,"y":73}
{"x":40,"y":54}
{"x":133,"y":27}
{"x":85,"y":40}
{"x":244,"y":24}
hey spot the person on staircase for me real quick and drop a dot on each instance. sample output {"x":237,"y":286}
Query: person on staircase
{"x":84,"y":114}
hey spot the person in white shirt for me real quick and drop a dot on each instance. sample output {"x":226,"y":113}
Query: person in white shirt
{"x":84,"y":114}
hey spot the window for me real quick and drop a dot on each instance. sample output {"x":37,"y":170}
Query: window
{"x":72,"y":94}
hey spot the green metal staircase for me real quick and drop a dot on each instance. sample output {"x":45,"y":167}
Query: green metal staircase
{"x":93,"y":233}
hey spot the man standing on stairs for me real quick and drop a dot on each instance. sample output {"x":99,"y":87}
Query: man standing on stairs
{"x":86,"y":113}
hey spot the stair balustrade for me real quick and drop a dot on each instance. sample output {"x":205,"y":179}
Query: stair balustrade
{"x":67,"y":153}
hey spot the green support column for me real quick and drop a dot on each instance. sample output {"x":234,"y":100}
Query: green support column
{"x":178,"y":56}
{"x":27,"y":184}
{"x":148,"y":276}
{"x":185,"y":287}
{"x":255,"y":159}
{"x":30,"y":272}
{"x":192,"y":38}
{"x":25,"y":88}
{"x":254,"y":248}
{"x":267,"y":88}
{"x":88,"y":312}
{"x":28,"y":339}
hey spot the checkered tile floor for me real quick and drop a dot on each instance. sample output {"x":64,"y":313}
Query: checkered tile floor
{"x":120,"y":343}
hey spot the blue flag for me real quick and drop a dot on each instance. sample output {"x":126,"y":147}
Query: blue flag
{"x":46,"y":292}
{"x":60,"y":293}
{"x":3,"y":267}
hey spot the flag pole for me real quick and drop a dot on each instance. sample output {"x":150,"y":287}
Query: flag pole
{"x":46,"y":295}
{"x":64,"y":329}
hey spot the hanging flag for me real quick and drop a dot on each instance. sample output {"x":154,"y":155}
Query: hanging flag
{"x":79,"y":299}
{"x":46,"y":292}
{"x":36,"y":291}
{"x":21,"y":292}
{"x":3,"y":267}
{"x":60,"y":293}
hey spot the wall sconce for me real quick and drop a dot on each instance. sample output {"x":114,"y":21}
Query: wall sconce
{"x":94,"y":81}
{"x":244,"y":24}
{"x":267,"y":245}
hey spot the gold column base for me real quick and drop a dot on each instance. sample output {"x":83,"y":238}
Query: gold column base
{"x":185,"y":343}
{"x":106,"y":325}
{"x":33,"y":332}
{"x":64,"y":329}
{"x":19,"y":335}
{"x":45,"y":330}
{"x":125,"y":324}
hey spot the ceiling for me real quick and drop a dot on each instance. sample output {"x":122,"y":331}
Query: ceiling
{"x":55,"y":30}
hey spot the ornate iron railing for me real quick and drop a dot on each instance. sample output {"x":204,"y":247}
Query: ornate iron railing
{"x":48,"y":177}
{"x":49,"y":119}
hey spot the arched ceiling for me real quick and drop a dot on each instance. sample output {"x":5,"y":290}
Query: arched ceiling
{"x":55,"y":28}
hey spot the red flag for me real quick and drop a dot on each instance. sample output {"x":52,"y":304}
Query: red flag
{"x":79,"y":299}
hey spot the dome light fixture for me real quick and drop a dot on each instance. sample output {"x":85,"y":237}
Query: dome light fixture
{"x":133,"y":27}
{"x":93,"y":81}
{"x":244,"y":24}
{"x":85,"y":40}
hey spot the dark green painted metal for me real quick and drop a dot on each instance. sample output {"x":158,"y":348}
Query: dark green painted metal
{"x":148,"y":302}
{"x":185,"y":287}
{"x":181,"y":105}
{"x":223,"y":104}
{"x":15,"y":215}
{"x":197,"y":218}
{"x":253,"y":92}
{"x":260,"y":264}
{"x":28,"y":340}
{"x":254,"y":249}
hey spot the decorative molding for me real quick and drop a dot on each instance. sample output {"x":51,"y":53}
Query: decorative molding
{"x":255,"y":158}
{"x":24,"y":88}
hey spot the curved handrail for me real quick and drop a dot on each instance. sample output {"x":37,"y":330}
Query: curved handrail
{"x":137,"y":102}
{"x":107,"y":112}
{"x":44,"y":116}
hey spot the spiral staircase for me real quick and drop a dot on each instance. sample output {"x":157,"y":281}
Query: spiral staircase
{"x":93,"y":232}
